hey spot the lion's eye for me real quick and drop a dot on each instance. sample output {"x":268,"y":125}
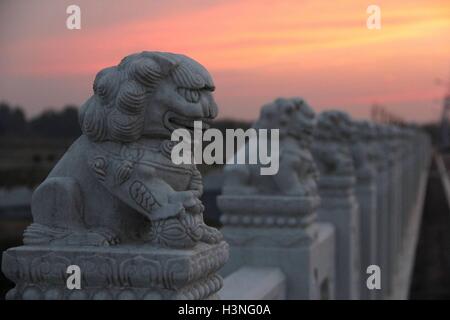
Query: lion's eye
{"x":190,"y":95}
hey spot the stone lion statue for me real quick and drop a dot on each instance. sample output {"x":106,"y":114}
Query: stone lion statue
{"x":334,"y":131}
{"x":360,"y":145}
{"x":117,"y":183}
{"x":297,"y":173}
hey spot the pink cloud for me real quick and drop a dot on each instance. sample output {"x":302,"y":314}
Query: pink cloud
{"x":255,"y":51}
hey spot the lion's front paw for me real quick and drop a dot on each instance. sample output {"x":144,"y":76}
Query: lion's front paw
{"x":101,"y":237}
{"x":172,"y":233}
{"x":210,"y":235}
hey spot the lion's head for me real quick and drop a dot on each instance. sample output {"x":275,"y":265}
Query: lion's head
{"x":293,"y":117}
{"x":148,"y":94}
{"x":334,"y":125}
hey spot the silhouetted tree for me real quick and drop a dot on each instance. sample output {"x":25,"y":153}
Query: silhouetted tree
{"x":12,"y":120}
{"x":63,"y":124}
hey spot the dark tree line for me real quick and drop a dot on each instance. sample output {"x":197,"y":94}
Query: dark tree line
{"x":12,"y":120}
{"x":64,"y":123}
{"x":48,"y":124}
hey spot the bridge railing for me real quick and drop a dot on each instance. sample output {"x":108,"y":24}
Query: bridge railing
{"x":325,"y":246}
{"x":254,"y":283}
{"x":357,"y":242}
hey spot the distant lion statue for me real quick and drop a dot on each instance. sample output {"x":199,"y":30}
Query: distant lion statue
{"x":297,"y":174}
{"x":117,"y":183}
{"x":332,"y":137}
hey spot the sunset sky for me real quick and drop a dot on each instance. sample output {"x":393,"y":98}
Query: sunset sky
{"x":255,"y":50}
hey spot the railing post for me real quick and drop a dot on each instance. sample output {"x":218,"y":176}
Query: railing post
{"x":337,"y":191}
{"x":395,"y":187}
{"x":364,"y":159}
{"x":405,"y":160}
{"x":384,"y":206}
{"x":377,"y":158}
{"x":411,"y":178}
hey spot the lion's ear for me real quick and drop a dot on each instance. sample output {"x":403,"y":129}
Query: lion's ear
{"x":165,"y":62}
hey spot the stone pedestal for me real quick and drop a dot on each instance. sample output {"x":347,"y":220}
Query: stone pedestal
{"x":279,"y":231}
{"x":123,"y":272}
{"x":340,"y":208}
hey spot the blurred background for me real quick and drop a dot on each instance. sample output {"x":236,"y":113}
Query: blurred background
{"x":256,"y":51}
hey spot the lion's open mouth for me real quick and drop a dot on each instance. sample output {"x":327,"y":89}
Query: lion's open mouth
{"x":174,"y":121}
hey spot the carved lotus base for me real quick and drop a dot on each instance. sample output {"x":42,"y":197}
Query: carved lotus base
{"x":124,"y":272}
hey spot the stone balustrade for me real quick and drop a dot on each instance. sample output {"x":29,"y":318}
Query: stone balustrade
{"x":370,"y":180}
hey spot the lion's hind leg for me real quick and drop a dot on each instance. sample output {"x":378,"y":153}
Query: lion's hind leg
{"x":57,"y":209}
